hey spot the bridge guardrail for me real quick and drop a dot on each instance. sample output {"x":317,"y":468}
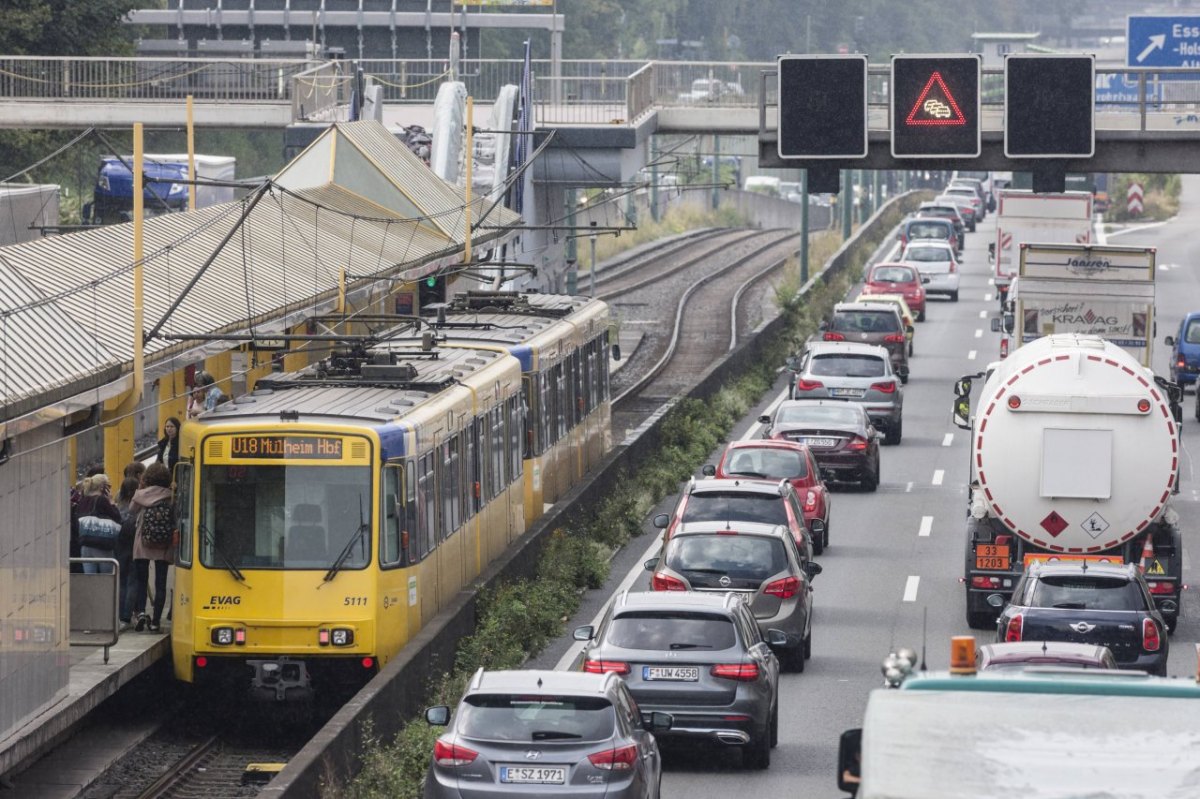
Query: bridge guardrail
{"x":318,"y":92}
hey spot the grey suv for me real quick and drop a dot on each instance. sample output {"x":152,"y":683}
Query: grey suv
{"x":698,"y":657}
{"x":870,"y":323}
{"x":860,"y":373}
{"x":758,"y":561}
{"x":545,"y":733}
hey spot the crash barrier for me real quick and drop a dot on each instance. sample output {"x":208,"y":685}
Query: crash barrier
{"x":399,"y":691}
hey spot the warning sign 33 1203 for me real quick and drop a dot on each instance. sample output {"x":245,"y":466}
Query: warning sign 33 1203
{"x":935,"y":106}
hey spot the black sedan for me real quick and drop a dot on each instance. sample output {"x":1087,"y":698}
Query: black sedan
{"x":1089,"y":603}
{"x":839,"y":435}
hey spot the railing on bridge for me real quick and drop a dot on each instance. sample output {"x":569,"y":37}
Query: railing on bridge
{"x":228,"y":80}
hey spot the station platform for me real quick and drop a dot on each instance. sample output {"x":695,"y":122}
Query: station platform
{"x":43,"y":771}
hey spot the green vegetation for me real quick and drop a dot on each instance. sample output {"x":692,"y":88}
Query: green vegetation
{"x":518,"y":619}
{"x":1161,"y":197}
{"x":677,"y":219}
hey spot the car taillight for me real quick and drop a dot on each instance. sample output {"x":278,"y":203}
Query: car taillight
{"x":985,"y":582}
{"x":450,"y":755}
{"x":857,"y":444}
{"x":1182,"y":363}
{"x":810,"y":501}
{"x":620,"y":759}
{"x":605,"y":667}
{"x":887,"y":388}
{"x":1003,"y":348}
{"x":894,"y":338}
{"x":953,"y":267}
{"x":784,"y":589}
{"x":665,"y":582}
{"x":1150,"y":638}
{"x":1161,"y":588}
{"x":742,"y":672}
{"x":836,"y":337}
{"x":1013,"y":633}
{"x":804,"y":384}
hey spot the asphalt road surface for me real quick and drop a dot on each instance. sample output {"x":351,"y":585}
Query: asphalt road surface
{"x":895,"y":557}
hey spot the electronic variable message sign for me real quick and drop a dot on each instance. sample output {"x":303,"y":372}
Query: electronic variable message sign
{"x":935,"y":106}
{"x":1049,"y":106}
{"x":822,"y":106}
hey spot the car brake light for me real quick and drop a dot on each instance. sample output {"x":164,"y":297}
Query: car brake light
{"x":451,"y":755}
{"x":784,"y":589}
{"x":1003,"y":348}
{"x":887,"y":388}
{"x":1182,"y":363}
{"x":810,"y":500}
{"x":894,"y":338}
{"x":1161,"y":588}
{"x":742,"y":672}
{"x":665,"y":582}
{"x":985,"y":582}
{"x":836,"y":337}
{"x":1150,"y":638}
{"x":953,"y":266}
{"x":857,"y":444}
{"x":804,"y":384}
{"x":620,"y":759}
{"x":1013,"y":633}
{"x":605,"y":667}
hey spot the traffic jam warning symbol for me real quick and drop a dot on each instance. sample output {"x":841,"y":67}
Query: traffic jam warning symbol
{"x":936,"y":105}
{"x":1054,"y":524}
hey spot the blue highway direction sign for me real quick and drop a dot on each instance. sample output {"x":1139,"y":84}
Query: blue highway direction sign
{"x":1163,"y":41}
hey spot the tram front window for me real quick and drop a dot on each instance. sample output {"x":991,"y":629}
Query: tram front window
{"x":284,"y":517}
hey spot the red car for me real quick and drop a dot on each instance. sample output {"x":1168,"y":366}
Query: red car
{"x":897,"y":278}
{"x":782,"y":460}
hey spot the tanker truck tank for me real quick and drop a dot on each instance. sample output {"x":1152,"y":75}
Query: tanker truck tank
{"x":1074,"y":455}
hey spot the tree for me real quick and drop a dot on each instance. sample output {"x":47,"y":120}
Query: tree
{"x":65,"y":27}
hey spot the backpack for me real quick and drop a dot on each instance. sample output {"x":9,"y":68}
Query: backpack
{"x":159,"y":524}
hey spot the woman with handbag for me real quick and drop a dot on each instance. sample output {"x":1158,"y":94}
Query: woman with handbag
{"x":96,"y":521}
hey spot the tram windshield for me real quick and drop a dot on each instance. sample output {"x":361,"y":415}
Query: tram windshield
{"x":284,"y":517}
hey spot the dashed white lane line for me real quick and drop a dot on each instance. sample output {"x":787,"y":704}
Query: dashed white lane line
{"x":948,"y":440}
{"x":938,"y":476}
{"x":987,"y":297}
{"x":983,"y":314}
{"x":979,"y":333}
{"x":991,"y":281}
{"x":910,"y":588}
{"x":971,"y":355}
{"x":908,"y":488}
{"x":926,"y":526}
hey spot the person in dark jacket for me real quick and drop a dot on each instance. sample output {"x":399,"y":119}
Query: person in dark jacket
{"x":127,"y":603}
{"x":156,"y":486}
{"x":168,"y":445}
{"x":96,"y":523}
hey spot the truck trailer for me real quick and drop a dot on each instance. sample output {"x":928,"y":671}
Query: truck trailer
{"x":1074,"y":456}
{"x":1023,"y":217}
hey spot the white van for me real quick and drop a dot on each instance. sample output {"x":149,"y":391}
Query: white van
{"x":985,"y":178}
{"x":762,"y":184}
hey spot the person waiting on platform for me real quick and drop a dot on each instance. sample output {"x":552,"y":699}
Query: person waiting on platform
{"x":168,"y":445}
{"x":154,"y":540}
{"x":95,"y":523}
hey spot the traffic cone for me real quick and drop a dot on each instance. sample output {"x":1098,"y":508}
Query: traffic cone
{"x":1147,"y":553}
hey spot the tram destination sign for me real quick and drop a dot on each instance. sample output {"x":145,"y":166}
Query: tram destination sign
{"x":281,"y":447}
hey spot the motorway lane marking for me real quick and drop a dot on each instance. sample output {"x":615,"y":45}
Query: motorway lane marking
{"x":991,"y":281}
{"x":983,"y":314}
{"x":979,"y":333}
{"x":971,"y":355}
{"x":1165,"y":267}
{"x":938,"y":476}
{"x":910,"y":588}
{"x":948,"y":440}
{"x":926,"y":526}
{"x":908,"y":488}
{"x":987,"y":297}
{"x":1134,"y":229}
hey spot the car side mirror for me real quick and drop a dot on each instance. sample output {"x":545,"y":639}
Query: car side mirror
{"x":793,"y":363}
{"x":777,"y":637}
{"x":708,"y":470}
{"x":651,"y":564}
{"x":661,"y":521}
{"x":764,"y":419}
{"x":850,"y":761}
{"x":1009,"y":322}
{"x":995,"y":324}
{"x":1169,"y":341}
{"x":616,"y":352}
{"x":657,"y":721}
{"x":585,"y":633}
{"x":812,"y":569}
{"x":991,"y":251}
{"x":823,"y":326}
{"x":438,"y":715}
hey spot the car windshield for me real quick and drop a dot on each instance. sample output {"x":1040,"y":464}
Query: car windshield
{"x":664,"y":631}
{"x":927,"y":230}
{"x":776,"y":464}
{"x":847,"y":366}
{"x":927,"y":254}
{"x":739,"y":557}
{"x":865,"y":322}
{"x":892,"y":274}
{"x":1086,"y":592}
{"x":734,"y":506}
{"x":526,"y":718}
{"x":817,"y":415}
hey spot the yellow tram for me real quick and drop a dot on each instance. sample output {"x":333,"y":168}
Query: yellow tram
{"x":331,"y":513}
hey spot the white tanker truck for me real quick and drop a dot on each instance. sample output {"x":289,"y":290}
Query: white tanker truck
{"x":1074,"y":455}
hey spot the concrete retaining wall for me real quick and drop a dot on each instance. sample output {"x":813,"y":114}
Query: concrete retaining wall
{"x":398,"y":692}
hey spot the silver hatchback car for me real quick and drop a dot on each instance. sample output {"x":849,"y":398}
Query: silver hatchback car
{"x":758,"y":561}
{"x":698,"y":657}
{"x":545,"y":734}
{"x":860,"y":373}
